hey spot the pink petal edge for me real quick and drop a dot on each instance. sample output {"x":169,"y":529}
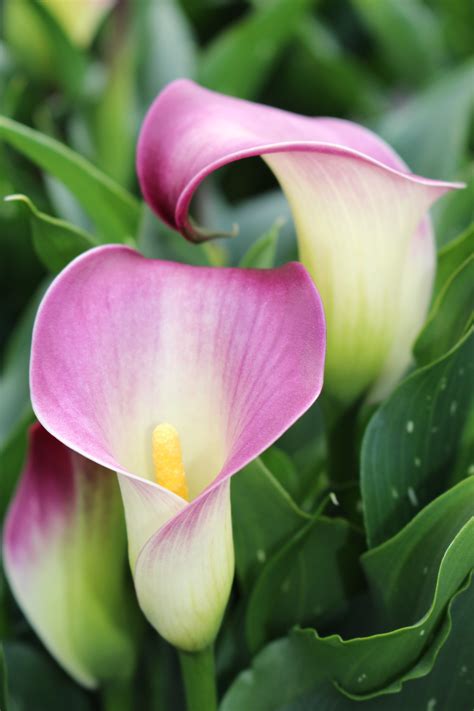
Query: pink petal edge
{"x":189,"y":132}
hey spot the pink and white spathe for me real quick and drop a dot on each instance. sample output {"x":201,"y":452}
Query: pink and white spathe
{"x":66,"y":571}
{"x":226,"y":358}
{"x":360,"y":217}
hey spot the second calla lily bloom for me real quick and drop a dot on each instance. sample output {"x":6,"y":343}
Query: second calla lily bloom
{"x":359,"y":216}
{"x":176,"y":377}
{"x":65,"y":570}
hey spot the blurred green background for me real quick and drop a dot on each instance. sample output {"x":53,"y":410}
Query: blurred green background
{"x":404,"y":68}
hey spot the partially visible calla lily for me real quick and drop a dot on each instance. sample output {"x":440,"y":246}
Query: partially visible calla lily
{"x":65,"y":558}
{"x":29,"y":35}
{"x":80,"y":20}
{"x":176,"y":377}
{"x":359,"y":216}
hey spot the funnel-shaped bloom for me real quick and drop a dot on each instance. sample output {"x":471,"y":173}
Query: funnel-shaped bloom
{"x":65,"y":558}
{"x":358,"y":212}
{"x":176,"y":377}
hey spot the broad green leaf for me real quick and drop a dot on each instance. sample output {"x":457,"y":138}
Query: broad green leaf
{"x":405,"y":570}
{"x":14,"y":390}
{"x":68,"y":63}
{"x":451,"y":257}
{"x":455,"y":212}
{"x":263,"y":515}
{"x":456,"y":17}
{"x":65,"y":205}
{"x":26,"y":39}
{"x":407,"y":34}
{"x":417,"y":130}
{"x":114,"y":120}
{"x":410,"y":443}
{"x":36,"y":683}
{"x":169,"y":48}
{"x":15,"y":410}
{"x":319,"y":59}
{"x":450,"y":317}
{"x":441,"y":536}
{"x":283,"y":469}
{"x":238,"y":60}
{"x":261,"y":255}
{"x":20,"y":270}
{"x":284,"y":678}
{"x":464,"y":464}
{"x":115,"y":212}
{"x":56,"y":241}
{"x":308,"y":582}
{"x":306,"y":442}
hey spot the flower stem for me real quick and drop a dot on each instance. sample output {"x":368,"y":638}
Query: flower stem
{"x":199,"y":679}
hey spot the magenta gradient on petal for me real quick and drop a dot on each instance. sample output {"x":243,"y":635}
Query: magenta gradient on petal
{"x":122,"y":343}
{"x":190,"y":131}
{"x":43,"y":499}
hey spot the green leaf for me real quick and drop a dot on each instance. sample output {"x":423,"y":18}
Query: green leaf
{"x":238,"y":61}
{"x":456,"y":17}
{"x":12,"y":457}
{"x":405,"y":570}
{"x":319,"y":58}
{"x":411,"y":441}
{"x":407,"y":33}
{"x":284,"y":678}
{"x":36,"y":683}
{"x":14,"y":389}
{"x":114,"y":121}
{"x":450,"y":317}
{"x":3,"y":681}
{"x":451,"y":257}
{"x":68,"y":63}
{"x":435,"y":553}
{"x":64,"y":204}
{"x":417,"y":130}
{"x":170,"y":49}
{"x":306,"y":443}
{"x":56,"y":241}
{"x":283,"y":469}
{"x":115,"y":212}
{"x":157,"y":241}
{"x":455,"y":212}
{"x":308,"y":582}
{"x":262,"y":253}
{"x":259,"y":502}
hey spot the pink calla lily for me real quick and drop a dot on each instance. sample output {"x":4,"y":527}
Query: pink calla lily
{"x":360,"y":217}
{"x":229,"y":357}
{"x":65,"y":558}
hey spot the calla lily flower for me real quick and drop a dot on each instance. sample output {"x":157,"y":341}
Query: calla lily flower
{"x":360,"y":217}
{"x":80,"y":20}
{"x":176,"y":377}
{"x":65,"y":558}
